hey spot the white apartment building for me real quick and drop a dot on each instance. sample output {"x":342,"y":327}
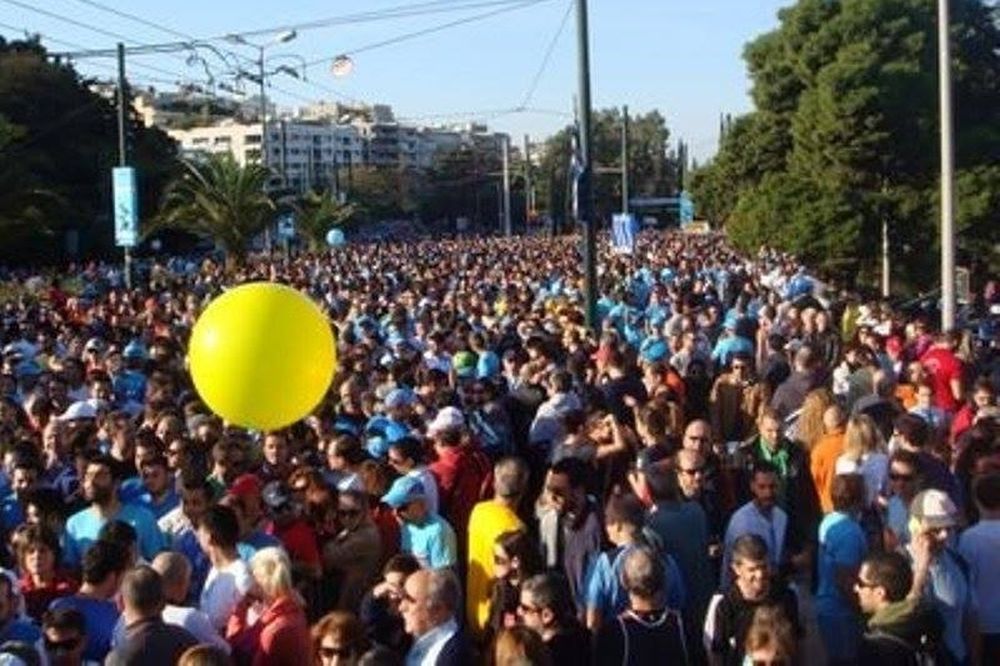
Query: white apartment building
{"x":302,"y":154}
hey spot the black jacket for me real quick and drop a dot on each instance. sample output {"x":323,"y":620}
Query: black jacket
{"x":732,"y":616}
{"x":150,"y":643}
{"x":903,"y":635}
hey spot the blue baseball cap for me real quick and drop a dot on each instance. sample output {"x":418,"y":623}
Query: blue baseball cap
{"x":403,"y":491}
{"x":653,"y":350}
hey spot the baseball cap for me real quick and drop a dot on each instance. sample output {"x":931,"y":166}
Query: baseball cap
{"x":79,"y":410}
{"x":399,"y":397}
{"x":447,"y":417}
{"x":403,"y":491}
{"x":653,"y":350}
{"x":934,"y":509}
{"x":245,"y":485}
{"x":134,"y":349}
{"x":464,"y":363}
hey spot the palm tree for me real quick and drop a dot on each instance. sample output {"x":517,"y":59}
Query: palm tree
{"x":220,"y":200}
{"x":317,"y":213}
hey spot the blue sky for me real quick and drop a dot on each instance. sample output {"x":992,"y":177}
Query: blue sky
{"x":683,"y":58}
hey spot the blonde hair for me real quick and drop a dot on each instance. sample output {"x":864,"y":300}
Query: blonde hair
{"x":771,"y":630}
{"x":809,"y":427}
{"x":272,"y":570}
{"x":862,"y":436}
{"x":520,"y":646}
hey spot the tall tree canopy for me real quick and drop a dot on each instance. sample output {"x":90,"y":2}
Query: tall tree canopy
{"x":653,"y":170}
{"x":58,"y":142}
{"x":845,"y":131}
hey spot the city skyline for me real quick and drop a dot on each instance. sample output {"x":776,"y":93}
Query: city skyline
{"x":644,"y":53}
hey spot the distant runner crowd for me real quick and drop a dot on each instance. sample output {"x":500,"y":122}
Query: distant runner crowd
{"x":735,"y":468}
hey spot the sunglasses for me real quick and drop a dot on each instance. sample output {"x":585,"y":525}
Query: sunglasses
{"x":692,"y":471}
{"x":768,"y":662}
{"x":525,"y":609}
{"x":893,"y":476}
{"x":865,"y":585}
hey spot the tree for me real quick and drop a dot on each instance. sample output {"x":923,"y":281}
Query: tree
{"x":317,"y":213}
{"x":58,"y":143}
{"x":652,"y":170}
{"x":844,"y":135}
{"x":219,"y":200}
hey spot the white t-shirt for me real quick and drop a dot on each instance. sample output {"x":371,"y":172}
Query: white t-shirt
{"x":224,"y":588}
{"x":192,"y":619}
{"x":874,"y":467}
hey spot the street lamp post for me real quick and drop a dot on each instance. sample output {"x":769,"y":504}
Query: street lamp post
{"x":584,"y":192}
{"x":947,"y":171}
{"x":281,"y":38}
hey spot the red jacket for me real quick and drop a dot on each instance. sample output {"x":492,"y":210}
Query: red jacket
{"x":279,"y":638}
{"x":464,"y":477}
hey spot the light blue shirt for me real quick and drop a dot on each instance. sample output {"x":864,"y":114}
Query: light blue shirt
{"x":83,"y":527}
{"x":605,"y":593}
{"x":842,"y":544}
{"x":947,"y":589}
{"x":979,"y":546}
{"x":749,"y":519}
{"x":433,"y":543}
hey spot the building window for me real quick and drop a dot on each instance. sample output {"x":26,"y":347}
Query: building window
{"x":252,"y":139}
{"x":252,"y":155}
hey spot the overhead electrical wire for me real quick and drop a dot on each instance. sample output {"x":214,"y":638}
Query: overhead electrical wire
{"x":526,"y":100}
{"x":429,"y":30}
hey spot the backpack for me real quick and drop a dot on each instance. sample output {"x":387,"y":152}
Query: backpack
{"x":926,"y":654}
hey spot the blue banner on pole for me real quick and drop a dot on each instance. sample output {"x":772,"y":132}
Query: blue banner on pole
{"x":685,"y":209}
{"x":624,"y":227}
{"x":126,"y":203}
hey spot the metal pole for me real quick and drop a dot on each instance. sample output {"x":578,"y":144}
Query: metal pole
{"x":527,"y":182}
{"x":263,"y":138}
{"x":947,"y":172}
{"x":625,"y":159}
{"x":584,"y":192}
{"x":122,"y":149}
{"x":885,"y":258}
{"x":505,"y":153}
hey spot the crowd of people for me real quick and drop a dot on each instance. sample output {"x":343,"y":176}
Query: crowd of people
{"x":734,"y":468}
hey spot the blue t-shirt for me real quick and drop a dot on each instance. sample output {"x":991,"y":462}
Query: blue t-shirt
{"x":83,"y":527}
{"x":842,"y":543}
{"x":100,"y":616}
{"x":133,"y":491}
{"x":433,"y":543}
{"x":605,"y":593}
{"x":11,"y":513}
{"x":21,"y":630}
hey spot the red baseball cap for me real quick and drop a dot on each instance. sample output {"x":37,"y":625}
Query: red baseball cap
{"x":245,"y":485}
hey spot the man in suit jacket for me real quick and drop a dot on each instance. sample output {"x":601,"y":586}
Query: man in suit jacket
{"x":429,"y":607}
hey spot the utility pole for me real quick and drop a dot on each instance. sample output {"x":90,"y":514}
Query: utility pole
{"x":263,"y":136}
{"x":947,"y":171}
{"x":505,"y":150}
{"x":885,"y":258}
{"x":527,"y":182}
{"x":122,"y":149}
{"x":625,"y":159}
{"x":584,"y":192}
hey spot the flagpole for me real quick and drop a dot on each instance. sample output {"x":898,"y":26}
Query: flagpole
{"x":585,"y":196}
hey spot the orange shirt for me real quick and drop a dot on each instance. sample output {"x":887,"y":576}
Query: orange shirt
{"x":823,"y":462}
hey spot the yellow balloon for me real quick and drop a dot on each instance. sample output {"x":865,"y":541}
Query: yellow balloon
{"x":262,"y":355}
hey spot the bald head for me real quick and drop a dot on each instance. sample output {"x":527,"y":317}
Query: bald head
{"x":175,"y":571}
